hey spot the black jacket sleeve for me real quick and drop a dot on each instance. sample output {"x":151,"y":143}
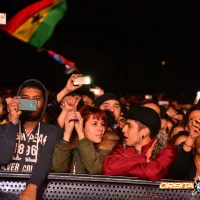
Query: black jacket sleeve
{"x":182,"y":164}
{"x":8,"y":134}
{"x":42,"y":168}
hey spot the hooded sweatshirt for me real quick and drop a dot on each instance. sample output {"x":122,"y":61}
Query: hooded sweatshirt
{"x":33,"y":152}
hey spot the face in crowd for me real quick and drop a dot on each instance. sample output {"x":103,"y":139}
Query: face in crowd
{"x":94,"y":123}
{"x":113,"y":106}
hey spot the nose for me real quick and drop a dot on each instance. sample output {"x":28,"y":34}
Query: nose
{"x":111,"y":109}
{"x":100,"y":128}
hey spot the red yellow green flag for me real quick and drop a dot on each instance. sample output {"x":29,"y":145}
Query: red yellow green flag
{"x":35,"y":23}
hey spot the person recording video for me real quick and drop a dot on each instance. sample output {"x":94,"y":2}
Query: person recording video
{"x":29,"y":141}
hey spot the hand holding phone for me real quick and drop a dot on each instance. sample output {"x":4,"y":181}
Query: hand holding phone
{"x":13,"y":110}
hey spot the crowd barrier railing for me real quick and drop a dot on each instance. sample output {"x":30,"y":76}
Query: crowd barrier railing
{"x":93,"y":187}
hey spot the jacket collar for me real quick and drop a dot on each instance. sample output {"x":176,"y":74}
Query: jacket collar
{"x":145,"y":148}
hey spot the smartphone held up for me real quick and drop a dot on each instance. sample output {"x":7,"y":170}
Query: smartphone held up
{"x":82,"y":80}
{"x":28,"y":104}
{"x":95,"y":90}
{"x":198,"y":95}
{"x":148,"y":97}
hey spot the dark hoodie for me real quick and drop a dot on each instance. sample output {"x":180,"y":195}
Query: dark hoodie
{"x":32,"y":153}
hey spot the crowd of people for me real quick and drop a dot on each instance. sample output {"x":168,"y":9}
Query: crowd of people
{"x":80,"y":132}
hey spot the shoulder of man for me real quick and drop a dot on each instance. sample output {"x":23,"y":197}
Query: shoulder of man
{"x":51,"y":129}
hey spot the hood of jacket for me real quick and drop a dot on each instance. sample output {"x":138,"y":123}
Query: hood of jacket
{"x":44,"y":94}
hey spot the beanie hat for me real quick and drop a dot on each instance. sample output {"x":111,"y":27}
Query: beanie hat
{"x":146,"y":116}
{"x":105,"y":97}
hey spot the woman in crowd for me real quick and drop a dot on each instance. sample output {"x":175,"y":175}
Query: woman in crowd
{"x":186,"y":165}
{"x":78,"y":151}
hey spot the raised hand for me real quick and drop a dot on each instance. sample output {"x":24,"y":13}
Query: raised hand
{"x":69,"y":125}
{"x":79,"y":125}
{"x":13,"y":110}
{"x":194,"y":128}
{"x":70,"y":87}
{"x":70,"y":103}
{"x":194,"y":131}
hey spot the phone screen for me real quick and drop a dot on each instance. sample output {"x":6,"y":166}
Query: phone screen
{"x":148,"y":96}
{"x":82,"y":80}
{"x":28,"y":104}
{"x":198,"y":95}
{"x":163,"y":103}
{"x":96,"y":91}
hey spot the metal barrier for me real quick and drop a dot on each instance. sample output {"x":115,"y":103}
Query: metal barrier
{"x":76,"y":187}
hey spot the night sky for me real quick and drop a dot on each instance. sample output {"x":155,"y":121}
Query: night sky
{"x":118,"y":43}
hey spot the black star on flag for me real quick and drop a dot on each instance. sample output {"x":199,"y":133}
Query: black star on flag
{"x":36,"y":18}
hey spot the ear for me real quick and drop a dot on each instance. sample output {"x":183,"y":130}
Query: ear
{"x":145,"y":132}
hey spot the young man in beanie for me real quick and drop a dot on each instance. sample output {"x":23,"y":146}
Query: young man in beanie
{"x":110,"y":103}
{"x":139,"y":159}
